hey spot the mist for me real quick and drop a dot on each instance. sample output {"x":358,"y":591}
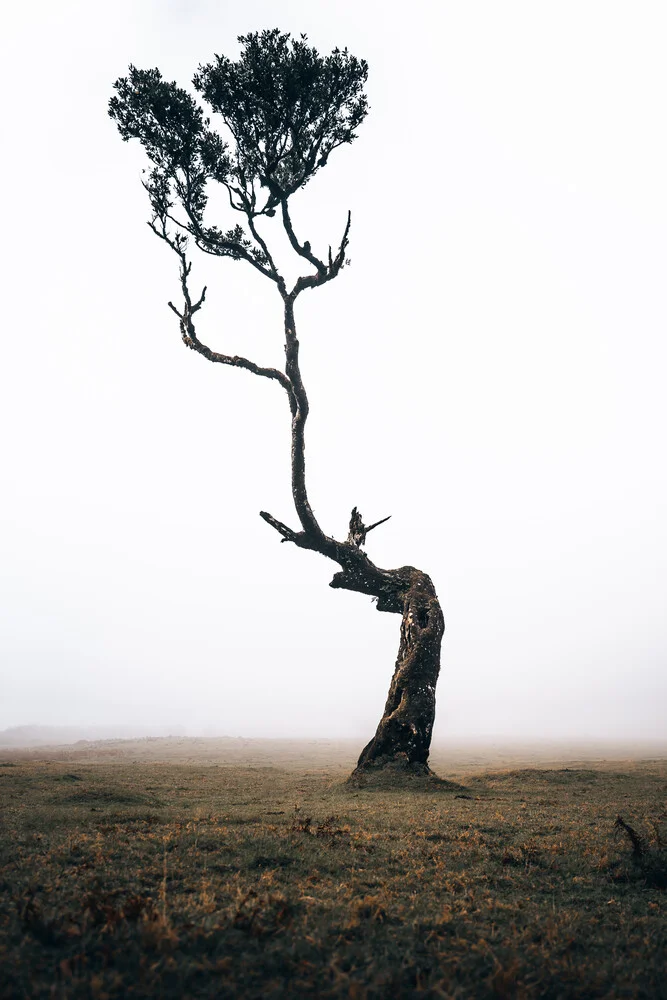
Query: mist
{"x":489,"y":371}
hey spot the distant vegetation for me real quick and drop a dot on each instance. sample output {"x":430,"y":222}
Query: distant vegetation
{"x":32,"y":736}
{"x":152,"y":879}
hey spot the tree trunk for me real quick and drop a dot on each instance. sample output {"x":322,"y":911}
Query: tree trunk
{"x":403,"y":737}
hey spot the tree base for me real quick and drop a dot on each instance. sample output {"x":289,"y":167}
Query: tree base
{"x":403,"y":738}
{"x":397,"y":772}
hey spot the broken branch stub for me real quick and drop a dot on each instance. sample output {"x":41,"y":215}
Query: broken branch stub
{"x":358,"y":530}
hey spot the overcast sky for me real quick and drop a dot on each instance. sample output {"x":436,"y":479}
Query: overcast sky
{"x":490,"y":371}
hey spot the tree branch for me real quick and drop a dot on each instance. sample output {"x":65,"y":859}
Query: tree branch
{"x":331,"y":271}
{"x":189,"y":334}
{"x":264,"y":247}
{"x":359,"y":574}
{"x":303,"y":251}
{"x":235,"y":361}
{"x":358,"y":530}
{"x":282,"y":529}
{"x":219,"y":247}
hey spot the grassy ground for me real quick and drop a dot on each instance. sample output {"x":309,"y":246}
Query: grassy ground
{"x":124,"y":873}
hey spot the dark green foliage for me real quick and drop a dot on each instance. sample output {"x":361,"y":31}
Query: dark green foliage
{"x":285,"y":107}
{"x":166,"y":120}
{"x":185,"y":152}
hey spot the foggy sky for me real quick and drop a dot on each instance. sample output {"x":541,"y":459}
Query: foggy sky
{"x":490,"y":371}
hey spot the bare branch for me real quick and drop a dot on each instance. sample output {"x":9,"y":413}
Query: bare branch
{"x":377,"y":523}
{"x":335,"y":265}
{"x":303,"y":250}
{"x":235,"y":361}
{"x":189,"y":334}
{"x":282,"y":529}
{"x":218,"y":247}
{"x":265,"y":250}
{"x":358,"y":530}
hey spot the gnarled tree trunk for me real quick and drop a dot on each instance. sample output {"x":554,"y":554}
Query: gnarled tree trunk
{"x":403,"y":737}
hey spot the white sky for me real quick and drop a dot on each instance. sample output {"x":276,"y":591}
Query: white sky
{"x":490,"y":371}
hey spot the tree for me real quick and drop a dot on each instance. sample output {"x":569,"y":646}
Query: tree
{"x":286,"y":109}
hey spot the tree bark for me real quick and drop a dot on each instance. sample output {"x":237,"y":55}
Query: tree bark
{"x":403,"y":737}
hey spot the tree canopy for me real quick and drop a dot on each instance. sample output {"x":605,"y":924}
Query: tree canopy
{"x":285,"y":108}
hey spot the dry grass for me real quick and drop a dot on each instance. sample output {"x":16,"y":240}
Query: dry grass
{"x":126,"y":876}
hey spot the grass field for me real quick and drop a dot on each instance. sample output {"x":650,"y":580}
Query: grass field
{"x":230,"y":868}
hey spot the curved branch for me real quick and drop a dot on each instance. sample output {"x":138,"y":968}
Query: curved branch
{"x":303,"y":251}
{"x":218,"y":247}
{"x":332,"y":270}
{"x":214,"y":248}
{"x":191,"y":340}
{"x":299,"y":415}
{"x":358,"y":572}
{"x":267,"y":253}
{"x":235,"y":361}
{"x":223,"y":248}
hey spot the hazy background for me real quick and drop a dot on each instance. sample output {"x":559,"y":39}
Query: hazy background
{"x":490,"y":371}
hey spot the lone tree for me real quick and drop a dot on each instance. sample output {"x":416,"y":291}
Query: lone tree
{"x":285,"y":109}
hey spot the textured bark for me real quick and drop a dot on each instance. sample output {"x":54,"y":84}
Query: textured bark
{"x":403,"y":737}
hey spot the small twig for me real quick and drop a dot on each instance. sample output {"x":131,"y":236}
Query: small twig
{"x":378,"y":523}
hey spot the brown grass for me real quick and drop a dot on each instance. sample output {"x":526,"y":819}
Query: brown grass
{"x":137,"y":876}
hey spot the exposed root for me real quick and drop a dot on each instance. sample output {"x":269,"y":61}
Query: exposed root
{"x":398,"y":772}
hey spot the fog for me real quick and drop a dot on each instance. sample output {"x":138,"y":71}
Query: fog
{"x":490,"y":371}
